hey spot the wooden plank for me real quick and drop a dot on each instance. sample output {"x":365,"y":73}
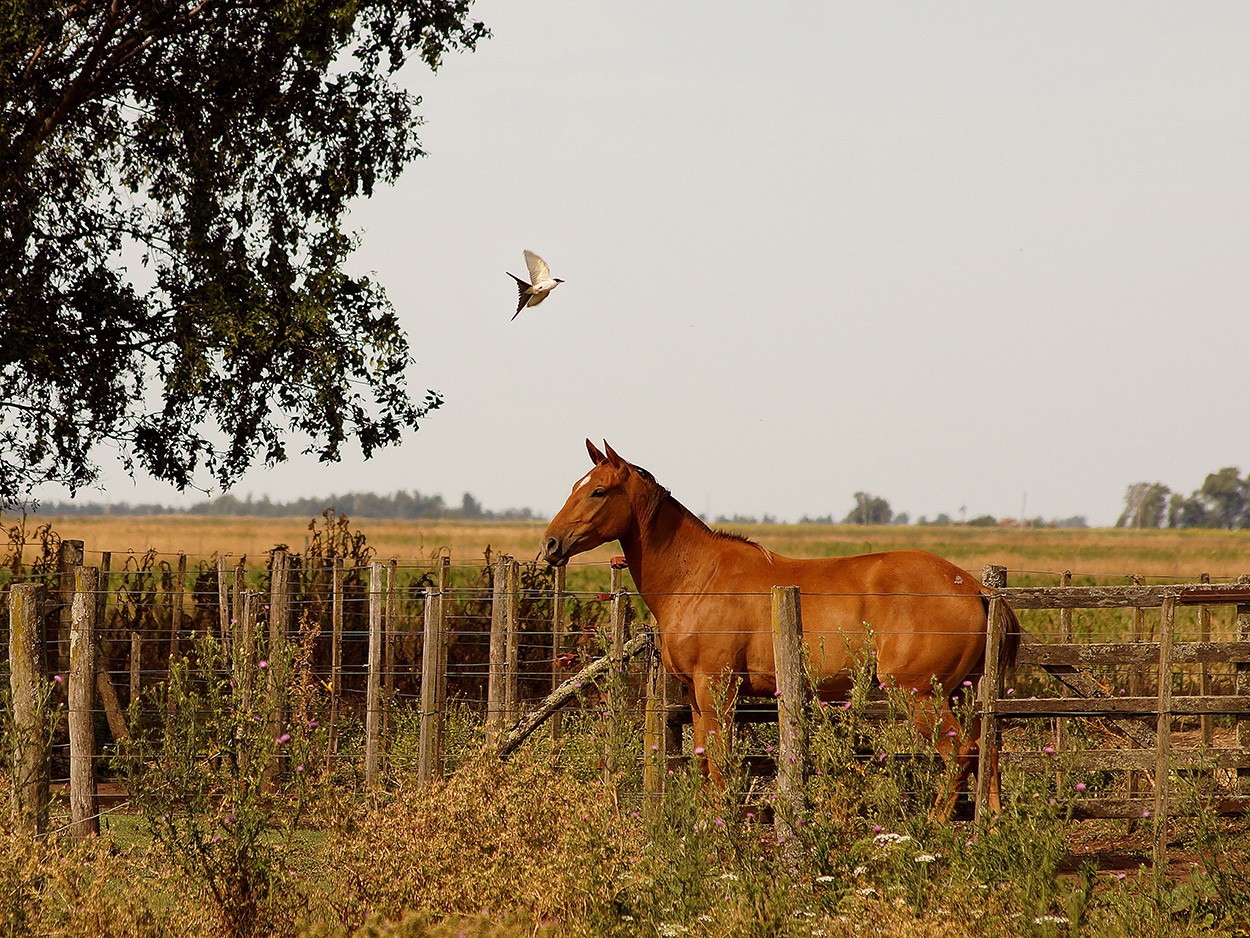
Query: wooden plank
{"x":1122,"y":706}
{"x":373,"y":688}
{"x":1112,"y":597}
{"x":618,"y":620}
{"x":69,"y":555}
{"x":791,"y":679}
{"x":83,"y":794}
{"x":429,"y":758}
{"x":1109,"y":760}
{"x":1135,"y":654}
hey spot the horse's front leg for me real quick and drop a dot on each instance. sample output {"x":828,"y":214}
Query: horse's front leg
{"x":711,"y":708}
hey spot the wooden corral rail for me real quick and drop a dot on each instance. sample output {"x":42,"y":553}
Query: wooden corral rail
{"x":1159,"y":656}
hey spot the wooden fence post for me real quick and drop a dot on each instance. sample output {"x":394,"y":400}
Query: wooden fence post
{"x":1163,"y":749}
{"x":1241,"y":683}
{"x":223,"y":606}
{"x":655,"y":736}
{"x":433,"y":690}
{"x":103,"y":679}
{"x":69,"y":556}
{"x":373,"y":692}
{"x":28,"y":686}
{"x":245,"y":663}
{"x":336,"y":651}
{"x":618,"y":620}
{"x":277,"y":655}
{"x":512,"y":630}
{"x":791,"y":808}
{"x":175,"y":616}
{"x":994,"y":577}
{"x":1204,"y":672}
{"x":558,"y":619}
{"x":83,"y":799}
{"x":496,"y":669}
{"x":390,"y":632}
{"x":136,"y":666}
{"x":1061,"y":723}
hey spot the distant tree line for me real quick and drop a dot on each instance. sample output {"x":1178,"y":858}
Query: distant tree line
{"x":1223,"y":501}
{"x":398,"y":505}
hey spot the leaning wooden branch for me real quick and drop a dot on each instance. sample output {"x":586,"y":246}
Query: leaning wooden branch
{"x":522,"y":729}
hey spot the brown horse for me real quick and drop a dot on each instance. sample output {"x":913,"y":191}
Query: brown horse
{"x":921,"y":617}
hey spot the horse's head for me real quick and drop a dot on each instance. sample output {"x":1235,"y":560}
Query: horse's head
{"x":599,"y":509}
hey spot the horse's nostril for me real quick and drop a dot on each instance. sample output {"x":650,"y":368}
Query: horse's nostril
{"x":549,"y":547}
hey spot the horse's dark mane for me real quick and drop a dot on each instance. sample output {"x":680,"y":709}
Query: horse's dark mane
{"x":659,"y":495}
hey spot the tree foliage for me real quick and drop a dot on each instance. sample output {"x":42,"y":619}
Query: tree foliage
{"x":174,"y":180}
{"x":1223,"y":501}
{"x":869,"y":509}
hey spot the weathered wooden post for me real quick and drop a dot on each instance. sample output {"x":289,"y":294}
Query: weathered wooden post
{"x":1204,"y":672}
{"x":558,"y":619}
{"x":1061,"y":723}
{"x":791,"y":808}
{"x":497,"y":668}
{"x":373,"y":690}
{"x":245,"y":662}
{"x":28,"y":686}
{"x":336,"y":651}
{"x":103,"y":680}
{"x":83,"y":800}
{"x":994,"y":577}
{"x":433,"y":690}
{"x":175,"y":614}
{"x":278,"y":654}
{"x":1163,"y":750}
{"x":223,"y":606}
{"x":69,"y":555}
{"x":136,"y":666}
{"x":618,"y":620}
{"x":512,"y":631}
{"x":1242,"y":682}
{"x":390,"y":632}
{"x":655,"y":736}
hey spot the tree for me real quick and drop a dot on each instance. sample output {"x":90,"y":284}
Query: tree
{"x":1145,"y":504}
{"x":174,"y":180}
{"x":1187,"y":512}
{"x":1225,"y":494}
{"x":869,"y":509}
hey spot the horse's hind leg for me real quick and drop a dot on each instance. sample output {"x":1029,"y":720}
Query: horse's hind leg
{"x":712,"y":711}
{"x":932,"y":717}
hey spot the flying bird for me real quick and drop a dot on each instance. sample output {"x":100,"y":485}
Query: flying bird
{"x":535,"y":290}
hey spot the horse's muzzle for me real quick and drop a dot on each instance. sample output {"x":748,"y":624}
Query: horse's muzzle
{"x":552,"y":552}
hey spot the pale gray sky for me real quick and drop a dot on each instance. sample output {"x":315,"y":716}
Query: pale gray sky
{"x":958,"y":254}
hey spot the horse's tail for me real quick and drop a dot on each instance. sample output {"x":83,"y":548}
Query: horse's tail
{"x":1009,"y":649}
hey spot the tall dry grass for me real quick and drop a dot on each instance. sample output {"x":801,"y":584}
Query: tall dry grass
{"x":1036,"y":552}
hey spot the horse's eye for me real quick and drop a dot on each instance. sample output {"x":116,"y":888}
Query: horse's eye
{"x":598,"y":493}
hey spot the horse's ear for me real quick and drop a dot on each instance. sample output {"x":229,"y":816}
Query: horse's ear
{"x":614,"y":460}
{"x":595,"y":456}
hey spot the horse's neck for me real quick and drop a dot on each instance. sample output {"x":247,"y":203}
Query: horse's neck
{"x":665,"y":555}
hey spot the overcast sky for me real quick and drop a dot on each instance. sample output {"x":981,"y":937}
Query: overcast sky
{"x":982,"y":255}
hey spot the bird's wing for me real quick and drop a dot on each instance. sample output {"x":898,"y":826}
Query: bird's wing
{"x":539,"y":271}
{"x":537,"y":298}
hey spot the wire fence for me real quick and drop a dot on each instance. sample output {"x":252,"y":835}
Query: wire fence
{"x":406,"y":654}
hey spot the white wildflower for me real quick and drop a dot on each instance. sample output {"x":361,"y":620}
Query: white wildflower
{"x":824,"y":879}
{"x":867,"y":892}
{"x":884,"y":840}
{"x":859,"y":871}
{"x":924,"y":858}
{"x":667,"y":930}
{"x":1052,"y":920}
{"x":730,"y":876}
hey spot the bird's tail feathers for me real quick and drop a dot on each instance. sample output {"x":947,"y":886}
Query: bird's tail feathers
{"x":521,"y":285}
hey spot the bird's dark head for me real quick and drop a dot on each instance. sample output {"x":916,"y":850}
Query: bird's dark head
{"x":557,"y":280}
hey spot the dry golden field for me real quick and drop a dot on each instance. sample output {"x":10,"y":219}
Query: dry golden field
{"x":1101,"y":552}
